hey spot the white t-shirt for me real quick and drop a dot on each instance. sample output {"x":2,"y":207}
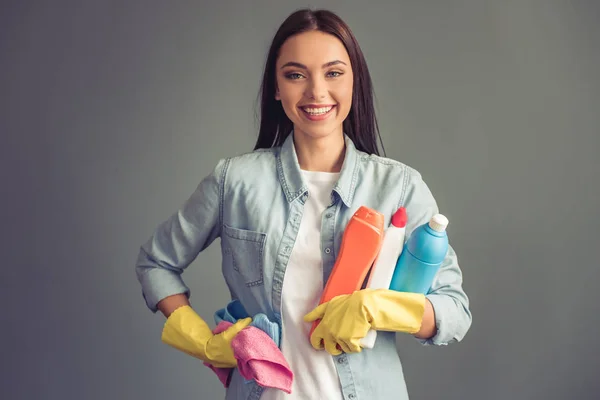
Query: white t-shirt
{"x":315,"y":376}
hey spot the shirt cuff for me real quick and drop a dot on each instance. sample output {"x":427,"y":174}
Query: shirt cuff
{"x":158,"y":283}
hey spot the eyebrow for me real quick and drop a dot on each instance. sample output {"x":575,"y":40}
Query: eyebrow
{"x":298,"y":65}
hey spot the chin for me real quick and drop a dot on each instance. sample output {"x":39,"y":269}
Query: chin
{"x":319,"y":132}
{"x":319,"y":129}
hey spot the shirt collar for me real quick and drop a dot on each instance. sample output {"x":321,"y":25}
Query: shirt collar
{"x":290,"y":174}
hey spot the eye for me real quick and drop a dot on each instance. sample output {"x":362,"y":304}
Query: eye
{"x":334,"y":74}
{"x":293,"y":76}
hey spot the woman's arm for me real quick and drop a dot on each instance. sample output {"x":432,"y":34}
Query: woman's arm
{"x":178,"y":240}
{"x":428,"y":327}
{"x":171,"y":303}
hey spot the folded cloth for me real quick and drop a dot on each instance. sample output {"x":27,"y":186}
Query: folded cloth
{"x":259,"y":359}
{"x":235,"y":311}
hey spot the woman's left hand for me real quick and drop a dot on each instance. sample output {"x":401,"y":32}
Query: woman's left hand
{"x":346,"y":319}
{"x":344,"y":322}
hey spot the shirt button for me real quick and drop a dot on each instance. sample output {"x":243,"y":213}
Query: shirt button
{"x":351,"y":396}
{"x":328,"y":215}
{"x":341,"y":360}
{"x":328,"y":250}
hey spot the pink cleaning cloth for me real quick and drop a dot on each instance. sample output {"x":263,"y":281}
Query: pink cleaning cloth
{"x":258,"y":359}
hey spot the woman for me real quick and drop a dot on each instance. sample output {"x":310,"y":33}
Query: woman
{"x":280,"y":212}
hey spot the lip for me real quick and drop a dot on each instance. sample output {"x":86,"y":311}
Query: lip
{"x":317,"y":117}
{"x":316,"y":105}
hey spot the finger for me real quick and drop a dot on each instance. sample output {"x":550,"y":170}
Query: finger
{"x":331,"y":346}
{"x":351,"y":346}
{"x":343,"y":345}
{"x":316,"y":314}
{"x":242,"y":323}
{"x":234,"y":329}
{"x":316,"y":339}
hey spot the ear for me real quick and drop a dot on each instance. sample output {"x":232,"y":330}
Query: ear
{"x":277,"y":96}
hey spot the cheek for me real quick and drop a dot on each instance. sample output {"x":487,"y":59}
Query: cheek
{"x":290,"y":97}
{"x":344,"y":91}
{"x":344,"y":95}
{"x":289,"y":105}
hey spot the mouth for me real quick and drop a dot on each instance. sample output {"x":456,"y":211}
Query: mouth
{"x":317,"y":112}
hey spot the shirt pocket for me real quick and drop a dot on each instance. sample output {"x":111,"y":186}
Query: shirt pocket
{"x":243,"y":250}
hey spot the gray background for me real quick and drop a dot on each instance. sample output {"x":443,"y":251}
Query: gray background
{"x":111,"y":112}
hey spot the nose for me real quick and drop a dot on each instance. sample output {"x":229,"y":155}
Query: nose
{"x":316,"y":89}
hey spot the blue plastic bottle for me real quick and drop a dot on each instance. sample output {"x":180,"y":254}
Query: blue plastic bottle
{"x":421,"y":257}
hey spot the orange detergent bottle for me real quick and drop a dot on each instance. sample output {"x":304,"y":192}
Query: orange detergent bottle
{"x":361,"y":243}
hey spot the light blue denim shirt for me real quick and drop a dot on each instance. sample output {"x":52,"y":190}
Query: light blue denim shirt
{"x":254,"y":203}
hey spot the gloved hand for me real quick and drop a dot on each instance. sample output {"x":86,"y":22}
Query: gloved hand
{"x":346,"y":319}
{"x":186,"y":331}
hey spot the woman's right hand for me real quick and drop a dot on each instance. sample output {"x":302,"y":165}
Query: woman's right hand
{"x":218,"y":350}
{"x":186,"y":331}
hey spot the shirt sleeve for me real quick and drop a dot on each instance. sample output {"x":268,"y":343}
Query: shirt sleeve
{"x":447,"y":296}
{"x":177,"y":241}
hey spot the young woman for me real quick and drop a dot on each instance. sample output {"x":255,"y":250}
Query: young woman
{"x":280,"y":213}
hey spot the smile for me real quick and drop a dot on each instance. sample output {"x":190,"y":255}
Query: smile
{"x":317,"y":113}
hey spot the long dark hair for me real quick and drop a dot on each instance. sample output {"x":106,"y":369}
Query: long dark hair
{"x":361,"y":123}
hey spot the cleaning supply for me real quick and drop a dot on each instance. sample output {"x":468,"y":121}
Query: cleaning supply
{"x":235,"y":311}
{"x":258,"y":359}
{"x":422,"y":257}
{"x":385,"y":263}
{"x":360,"y":245}
{"x":186,"y":331}
{"x":346,"y":319}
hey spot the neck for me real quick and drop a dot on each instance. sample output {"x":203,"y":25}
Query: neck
{"x":320,"y":154}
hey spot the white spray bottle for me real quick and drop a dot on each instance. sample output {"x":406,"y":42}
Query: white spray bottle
{"x":385,"y":263}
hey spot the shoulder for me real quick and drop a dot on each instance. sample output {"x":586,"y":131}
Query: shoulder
{"x":390,"y":174}
{"x":251,"y":158}
{"x":247,"y":166}
{"x":387,"y":168}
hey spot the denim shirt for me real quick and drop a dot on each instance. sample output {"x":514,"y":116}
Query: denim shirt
{"x":254,"y":203}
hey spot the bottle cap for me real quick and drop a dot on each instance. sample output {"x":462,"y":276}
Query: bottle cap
{"x":438,"y":223}
{"x":400,"y":218}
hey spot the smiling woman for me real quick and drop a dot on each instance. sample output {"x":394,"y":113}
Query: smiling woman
{"x":280,"y":212}
{"x":317,"y":51}
{"x":316,"y":95}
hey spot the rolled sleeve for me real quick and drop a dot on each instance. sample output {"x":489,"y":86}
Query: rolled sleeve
{"x":450,"y":304}
{"x":447,"y":296}
{"x":176,"y":242}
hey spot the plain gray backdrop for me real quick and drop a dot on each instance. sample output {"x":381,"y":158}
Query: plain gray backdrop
{"x":111,"y":113}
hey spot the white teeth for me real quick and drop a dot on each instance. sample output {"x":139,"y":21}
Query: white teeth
{"x":317,"y":111}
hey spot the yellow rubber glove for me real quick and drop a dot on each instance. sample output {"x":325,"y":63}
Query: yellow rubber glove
{"x":346,"y":319}
{"x":186,"y":331}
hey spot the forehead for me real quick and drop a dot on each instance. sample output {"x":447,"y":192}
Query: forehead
{"x":312,"y":49}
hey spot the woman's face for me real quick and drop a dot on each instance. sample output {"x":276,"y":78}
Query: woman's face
{"x":314,"y":83}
